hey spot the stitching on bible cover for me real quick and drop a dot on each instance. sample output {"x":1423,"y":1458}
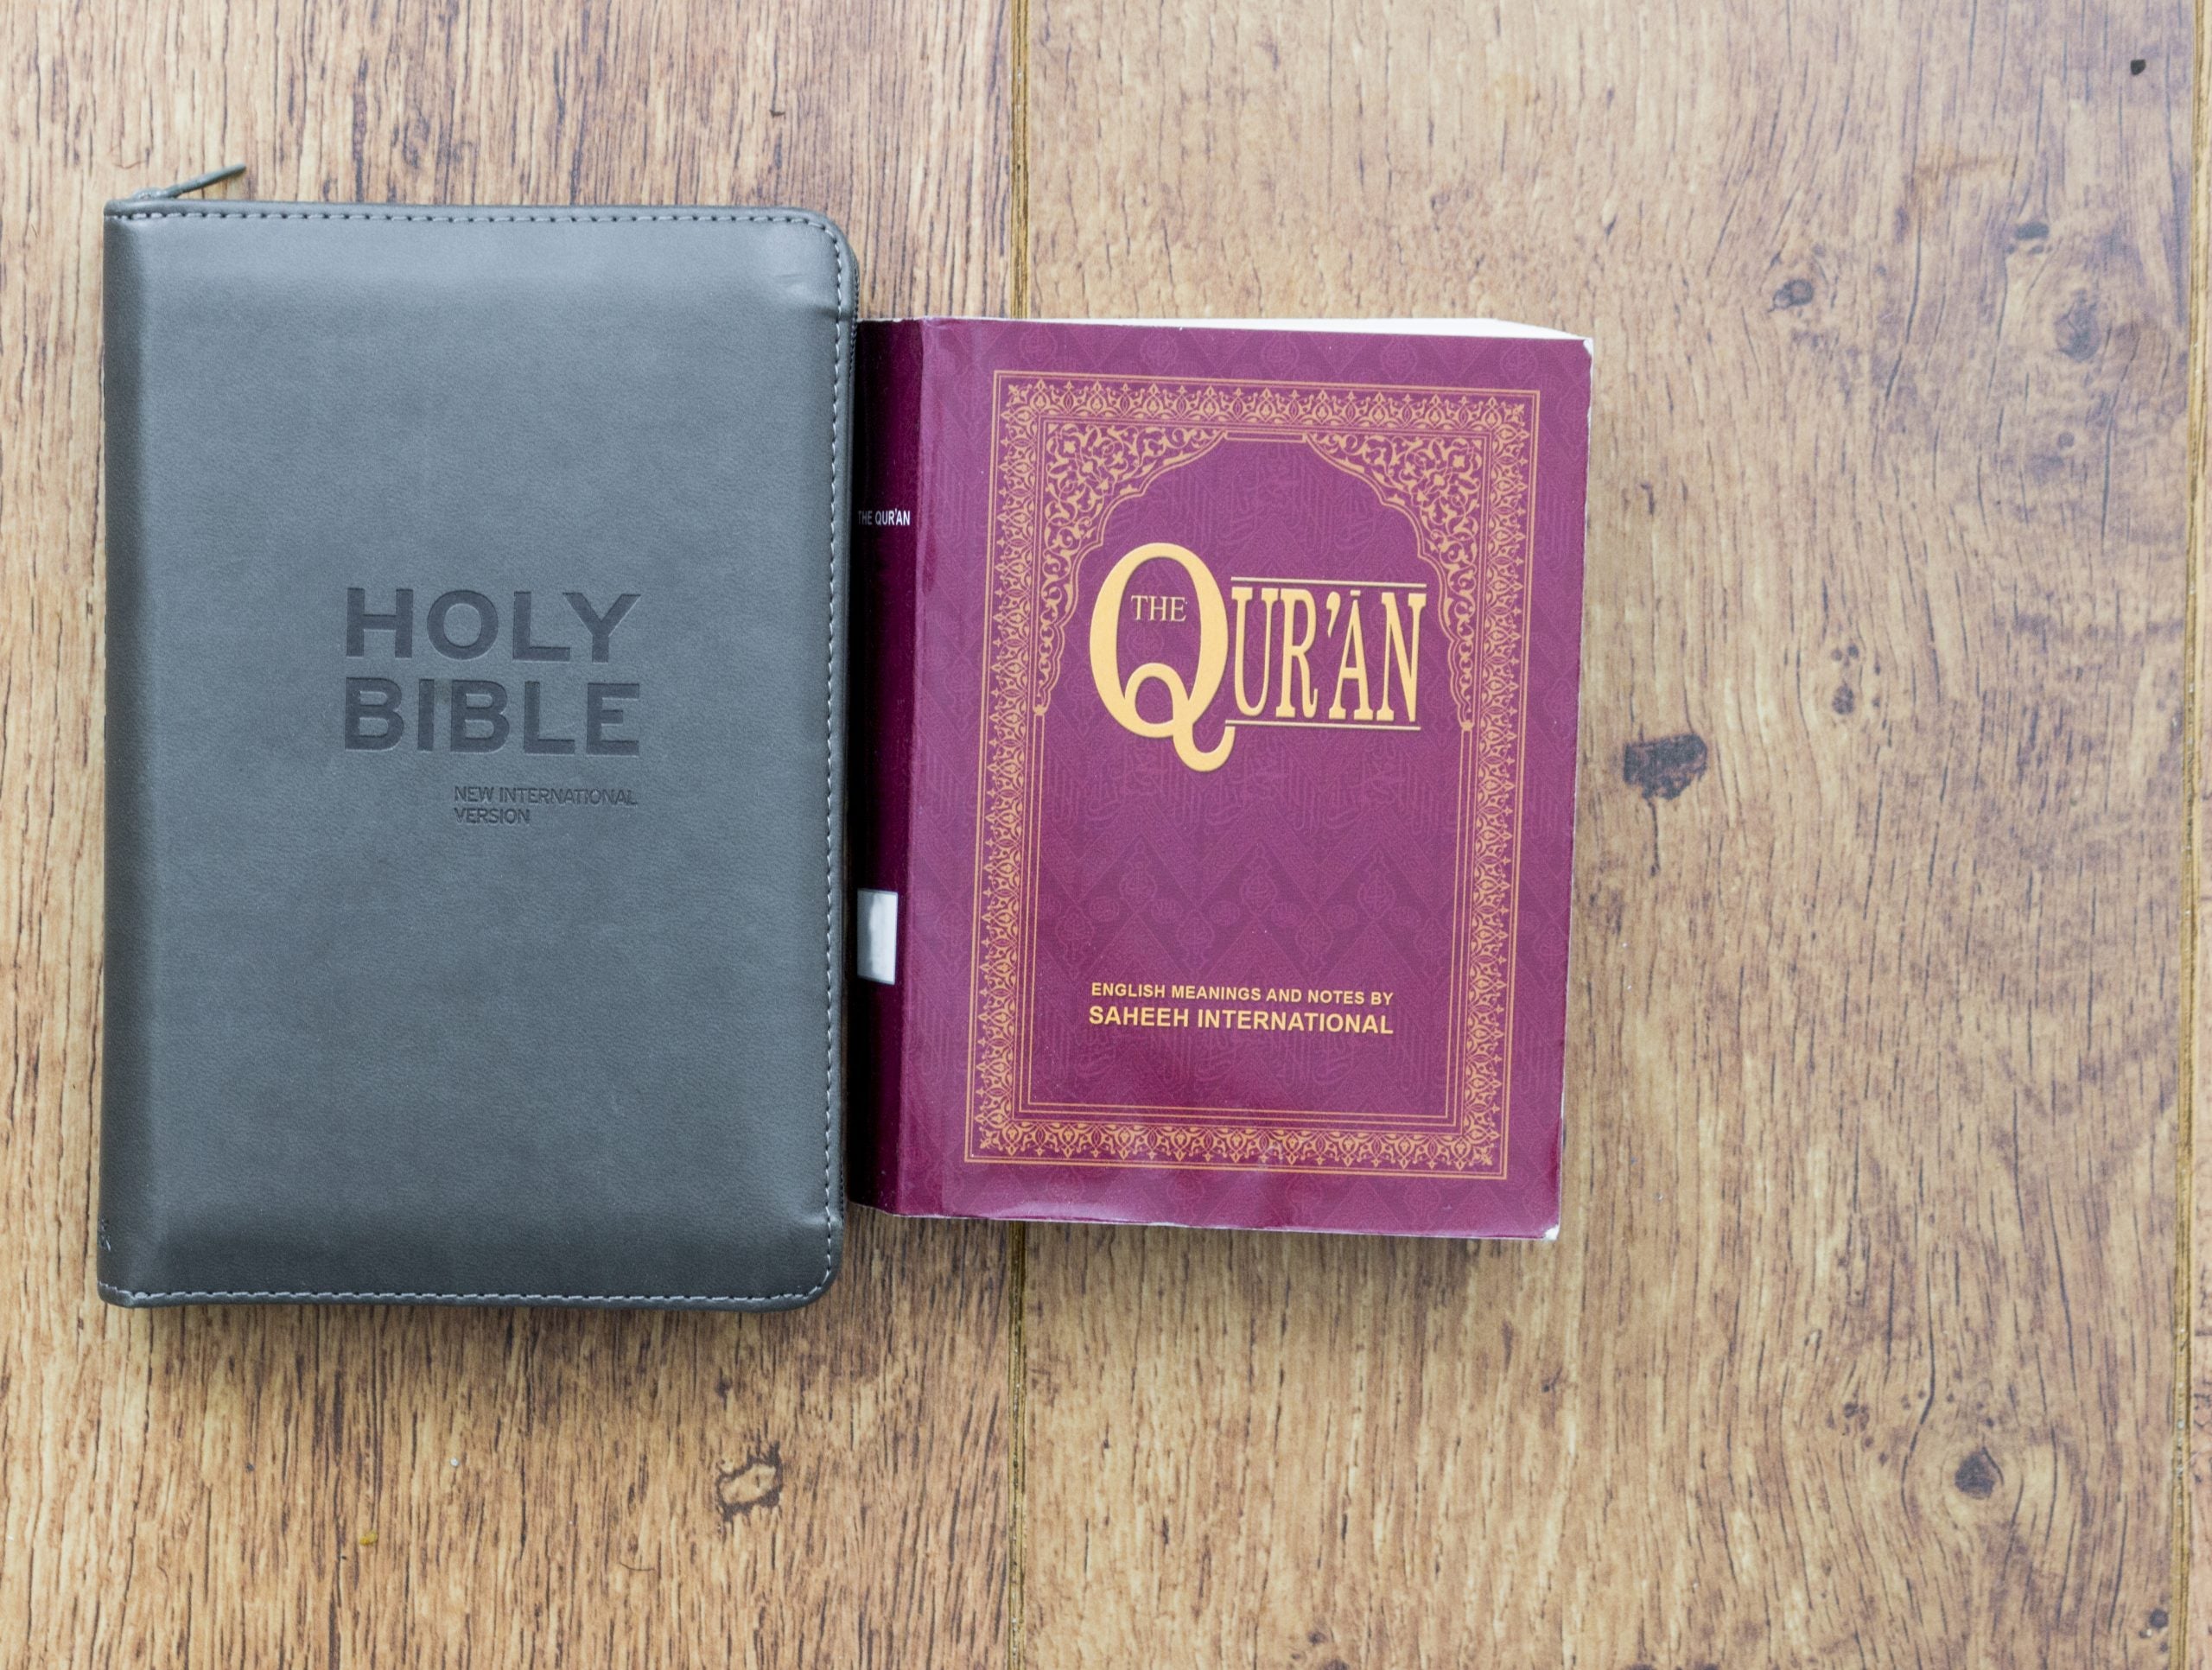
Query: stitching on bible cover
{"x":557,"y":217}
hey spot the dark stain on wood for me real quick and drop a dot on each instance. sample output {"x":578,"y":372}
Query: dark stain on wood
{"x":1663,"y":766}
{"x":1979,"y":1475}
{"x":2079,"y":339}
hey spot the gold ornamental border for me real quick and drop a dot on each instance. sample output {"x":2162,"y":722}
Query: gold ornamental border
{"x":1067,"y":449}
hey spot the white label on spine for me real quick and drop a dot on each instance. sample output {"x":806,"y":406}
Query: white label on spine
{"x":878,"y":936}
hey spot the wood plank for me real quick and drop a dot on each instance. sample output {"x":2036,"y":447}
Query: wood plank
{"x":2196,"y":1273}
{"x":1856,"y":1346}
{"x":286,"y":1486}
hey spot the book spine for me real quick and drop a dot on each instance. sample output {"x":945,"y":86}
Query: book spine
{"x":886,"y":569}
{"x":128,"y":959}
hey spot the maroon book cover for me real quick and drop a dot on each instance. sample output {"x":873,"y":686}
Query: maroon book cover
{"x":1214,"y":780}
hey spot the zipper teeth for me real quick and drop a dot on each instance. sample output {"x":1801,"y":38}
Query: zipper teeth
{"x":198,"y":182}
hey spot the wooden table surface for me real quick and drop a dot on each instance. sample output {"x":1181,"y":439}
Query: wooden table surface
{"x":1869,"y":1337}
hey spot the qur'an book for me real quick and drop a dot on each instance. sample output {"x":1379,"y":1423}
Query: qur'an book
{"x":1216,"y":694}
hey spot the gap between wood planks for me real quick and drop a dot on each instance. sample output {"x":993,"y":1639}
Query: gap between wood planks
{"x":2200,"y":300}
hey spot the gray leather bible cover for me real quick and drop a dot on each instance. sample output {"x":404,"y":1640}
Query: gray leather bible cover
{"x":476,"y":632}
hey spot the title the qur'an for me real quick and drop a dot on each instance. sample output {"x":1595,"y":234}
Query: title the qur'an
{"x":1316,"y":617}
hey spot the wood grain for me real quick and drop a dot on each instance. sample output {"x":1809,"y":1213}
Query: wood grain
{"x":1856,"y":1346}
{"x":2194,"y":1301}
{"x":249,"y":1488}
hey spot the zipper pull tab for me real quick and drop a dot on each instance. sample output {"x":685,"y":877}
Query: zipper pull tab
{"x":198,"y":182}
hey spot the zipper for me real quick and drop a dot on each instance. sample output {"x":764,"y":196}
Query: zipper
{"x":198,"y":182}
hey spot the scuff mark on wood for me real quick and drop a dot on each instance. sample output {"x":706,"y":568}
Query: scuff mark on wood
{"x":757,"y":1482}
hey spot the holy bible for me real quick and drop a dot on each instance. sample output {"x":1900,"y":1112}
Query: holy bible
{"x":476,"y":595}
{"x":1217,"y":694}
